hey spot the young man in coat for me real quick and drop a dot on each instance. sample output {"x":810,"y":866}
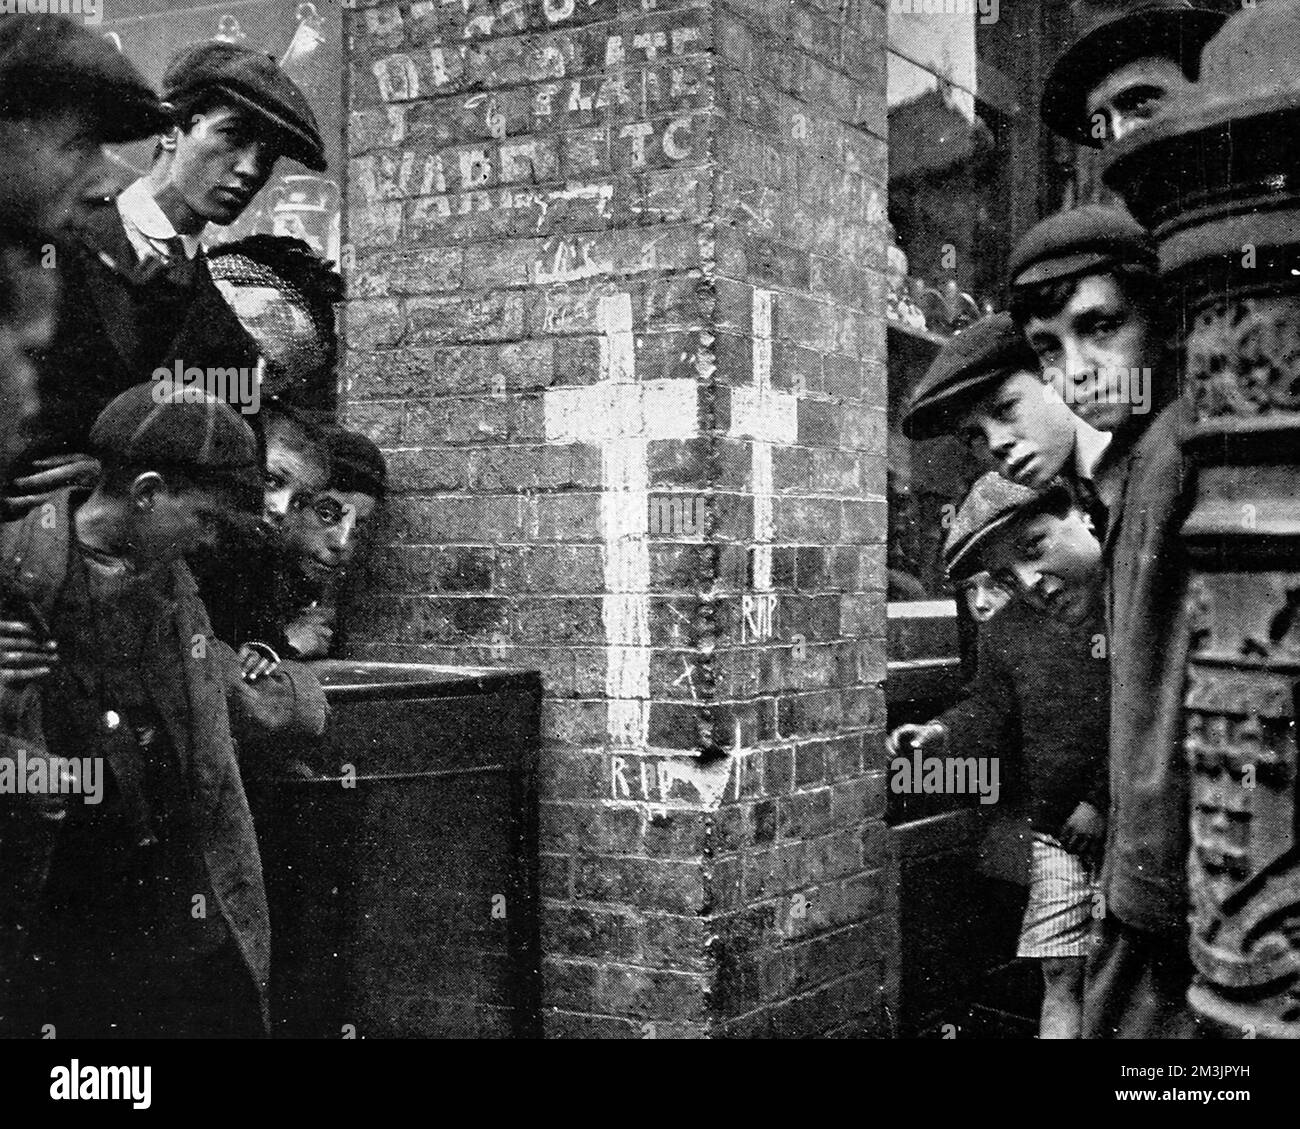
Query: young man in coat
{"x":1084,"y":287}
{"x":142,"y":913}
{"x":138,"y":295}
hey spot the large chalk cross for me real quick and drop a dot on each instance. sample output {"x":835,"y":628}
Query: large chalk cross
{"x":622,"y":415}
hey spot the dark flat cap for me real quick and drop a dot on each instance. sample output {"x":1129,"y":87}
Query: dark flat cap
{"x":50,"y":65}
{"x":1113,"y":33}
{"x":357,"y":466}
{"x":164,"y":426}
{"x":1079,"y":241}
{"x":254,"y":81}
{"x":993,"y":502}
{"x":969,"y":366}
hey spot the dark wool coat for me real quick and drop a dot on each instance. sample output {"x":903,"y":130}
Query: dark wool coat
{"x":1145,"y":874}
{"x":115,"y":329}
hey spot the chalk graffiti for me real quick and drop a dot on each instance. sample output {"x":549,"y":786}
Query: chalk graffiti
{"x":622,"y":415}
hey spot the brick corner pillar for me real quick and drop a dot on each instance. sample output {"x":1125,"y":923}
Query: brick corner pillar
{"x":616,"y":314}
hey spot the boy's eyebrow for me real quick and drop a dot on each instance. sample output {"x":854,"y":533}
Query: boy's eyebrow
{"x":1093,"y":313}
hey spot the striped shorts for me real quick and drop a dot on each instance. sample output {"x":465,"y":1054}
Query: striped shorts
{"x":1062,"y":893}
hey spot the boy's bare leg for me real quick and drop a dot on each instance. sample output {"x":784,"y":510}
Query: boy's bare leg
{"x":1062,"y":1014}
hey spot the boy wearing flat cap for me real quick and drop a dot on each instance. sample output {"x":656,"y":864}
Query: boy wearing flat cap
{"x":64,"y":95}
{"x":1041,"y":689}
{"x":1085,"y":290}
{"x":985,"y":388}
{"x":324,"y":543}
{"x":1084,"y":293}
{"x":141,"y":912}
{"x":138,"y":293}
{"x":1130,"y":58}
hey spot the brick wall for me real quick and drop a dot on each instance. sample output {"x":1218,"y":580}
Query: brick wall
{"x":609,"y":265}
{"x":799,"y":209}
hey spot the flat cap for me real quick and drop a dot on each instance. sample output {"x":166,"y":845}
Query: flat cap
{"x":254,"y":81}
{"x":49,"y":65}
{"x":165,"y":426}
{"x":357,"y":466}
{"x":1082,"y":240}
{"x":968,"y":366}
{"x":1113,"y":33}
{"x":993,"y":502}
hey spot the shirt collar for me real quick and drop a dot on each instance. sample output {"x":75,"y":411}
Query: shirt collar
{"x":1089,"y":446}
{"x":140,"y":211}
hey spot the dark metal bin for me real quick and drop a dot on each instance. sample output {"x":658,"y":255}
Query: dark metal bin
{"x":403,"y":889}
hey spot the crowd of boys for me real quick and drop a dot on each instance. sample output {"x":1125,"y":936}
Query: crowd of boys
{"x":1078,"y":526}
{"x":171,"y":551}
{"x":168,"y":560}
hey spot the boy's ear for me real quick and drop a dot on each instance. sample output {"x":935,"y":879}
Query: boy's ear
{"x":146,"y":489}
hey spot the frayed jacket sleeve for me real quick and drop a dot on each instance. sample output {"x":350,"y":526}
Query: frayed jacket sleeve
{"x":289,"y":702}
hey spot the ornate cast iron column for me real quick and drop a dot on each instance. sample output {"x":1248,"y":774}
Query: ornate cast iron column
{"x":1218,"y":182}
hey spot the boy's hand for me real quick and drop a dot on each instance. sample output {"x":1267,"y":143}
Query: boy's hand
{"x":51,"y":474}
{"x":933,"y":735}
{"x":312,"y":632}
{"x":257,"y":660}
{"x":1084,"y":833}
{"x":24,"y":655}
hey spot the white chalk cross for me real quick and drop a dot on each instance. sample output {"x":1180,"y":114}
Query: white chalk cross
{"x":766,"y":416}
{"x":622,"y":416}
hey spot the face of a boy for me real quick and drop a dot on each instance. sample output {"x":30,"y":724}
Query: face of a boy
{"x":985,"y":597}
{"x":1054,"y":562}
{"x":52,"y":169}
{"x":1099,"y":351}
{"x":292,"y":477}
{"x":178,"y":523}
{"x":1023,"y":428}
{"x":220,"y":163}
{"x":333,"y":528}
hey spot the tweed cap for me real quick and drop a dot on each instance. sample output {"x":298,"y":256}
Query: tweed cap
{"x":254,"y":81}
{"x":968,"y":366}
{"x":1114,"y":33}
{"x":164,"y":426}
{"x":49,"y":64}
{"x":993,"y":502}
{"x":1077,"y":241}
